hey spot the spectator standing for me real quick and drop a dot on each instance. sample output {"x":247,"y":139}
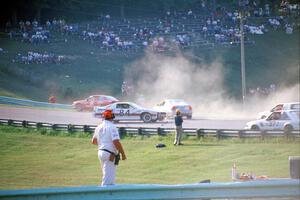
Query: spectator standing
{"x":179,"y":131}
{"x":52,"y":99}
{"x":107,"y":138}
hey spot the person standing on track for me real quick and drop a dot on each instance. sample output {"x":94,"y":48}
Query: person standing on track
{"x":179,"y":131}
{"x":107,"y":138}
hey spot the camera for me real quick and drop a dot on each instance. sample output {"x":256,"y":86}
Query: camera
{"x":117,"y":159}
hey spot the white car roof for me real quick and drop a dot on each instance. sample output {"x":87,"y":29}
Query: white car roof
{"x":175,"y":100}
{"x":126,"y":102}
{"x":103,"y":95}
{"x":288,"y":103}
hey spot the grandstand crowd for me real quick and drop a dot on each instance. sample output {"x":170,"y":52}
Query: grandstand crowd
{"x":197,"y":27}
{"x":262,"y":91}
{"x":40,"y":58}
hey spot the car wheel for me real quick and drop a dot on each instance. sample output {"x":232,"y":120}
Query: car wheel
{"x":79,"y":108}
{"x":146,"y":117}
{"x":288,"y":128}
{"x":189,"y":117}
{"x":255,"y":128}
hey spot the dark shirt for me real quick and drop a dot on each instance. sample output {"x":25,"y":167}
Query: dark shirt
{"x":178,"y":120}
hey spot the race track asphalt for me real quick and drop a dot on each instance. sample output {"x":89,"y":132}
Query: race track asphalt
{"x":86,"y":118}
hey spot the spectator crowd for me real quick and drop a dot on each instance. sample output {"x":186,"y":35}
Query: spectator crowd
{"x":262,"y":91}
{"x":40,"y":58}
{"x":201,"y":26}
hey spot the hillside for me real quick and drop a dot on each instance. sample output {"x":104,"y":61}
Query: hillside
{"x":273,"y":58}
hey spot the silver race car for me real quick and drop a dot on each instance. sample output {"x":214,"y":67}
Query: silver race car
{"x":128,"y":111}
{"x":171,"y":105}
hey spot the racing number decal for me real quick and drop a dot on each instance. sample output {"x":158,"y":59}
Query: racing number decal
{"x":122,"y":113}
{"x":273,"y":124}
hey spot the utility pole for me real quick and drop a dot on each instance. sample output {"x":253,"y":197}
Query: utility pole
{"x":243,"y":77}
{"x":214,"y":9}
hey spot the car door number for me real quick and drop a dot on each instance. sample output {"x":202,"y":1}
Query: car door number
{"x":124,"y":113}
{"x":273,"y":124}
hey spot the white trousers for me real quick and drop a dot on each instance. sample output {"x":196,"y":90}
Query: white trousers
{"x":108,"y":168}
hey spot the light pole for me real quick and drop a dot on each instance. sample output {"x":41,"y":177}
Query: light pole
{"x":243,"y":77}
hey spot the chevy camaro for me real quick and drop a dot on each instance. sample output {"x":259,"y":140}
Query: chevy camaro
{"x":128,"y":111}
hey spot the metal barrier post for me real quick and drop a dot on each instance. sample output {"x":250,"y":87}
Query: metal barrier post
{"x":38,"y":125}
{"x":24,"y":123}
{"x":86,"y":129}
{"x":70,"y":128}
{"x":200,"y":133}
{"x":54,"y":127}
{"x":10,"y":122}
{"x":241,"y":134}
{"x":159,"y":131}
{"x":122,"y":132}
{"x":219,"y":134}
{"x":263,"y":135}
{"x":287,"y":133}
{"x":140,"y":131}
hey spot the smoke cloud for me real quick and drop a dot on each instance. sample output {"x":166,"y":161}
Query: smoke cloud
{"x":159,"y":77}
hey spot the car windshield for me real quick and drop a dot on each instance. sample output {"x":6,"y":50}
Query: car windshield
{"x":111,"y":98}
{"x":106,"y":107}
{"x":106,"y":98}
{"x":277,"y":108}
{"x":136,"y":106}
{"x":274,"y":116}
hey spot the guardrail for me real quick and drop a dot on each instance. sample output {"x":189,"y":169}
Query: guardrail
{"x":30,"y":103}
{"x":218,"y":133}
{"x":263,"y":189}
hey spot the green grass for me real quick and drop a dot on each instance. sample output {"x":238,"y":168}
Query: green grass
{"x":31,"y":158}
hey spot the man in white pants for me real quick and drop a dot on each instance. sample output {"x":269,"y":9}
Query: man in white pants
{"x":107,"y":138}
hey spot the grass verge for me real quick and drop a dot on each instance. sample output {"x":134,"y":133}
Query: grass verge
{"x":43,"y":158}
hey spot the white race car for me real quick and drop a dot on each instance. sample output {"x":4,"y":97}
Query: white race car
{"x":280,"y":120}
{"x":171,"y":105}
{"x":127,"y":111}
{"x":280,"y":107}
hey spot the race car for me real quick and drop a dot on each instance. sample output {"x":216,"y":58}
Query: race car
{"x":171,"y":105}
{"x":280,"y":107}
{"x":128,"y":111}
{"x":286,"y":120}
{"x":94,"y":100}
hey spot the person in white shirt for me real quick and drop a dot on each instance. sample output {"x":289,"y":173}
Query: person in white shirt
{"x":107,"y":138}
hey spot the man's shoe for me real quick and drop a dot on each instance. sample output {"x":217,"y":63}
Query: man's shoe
{"x":180,"y":144}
